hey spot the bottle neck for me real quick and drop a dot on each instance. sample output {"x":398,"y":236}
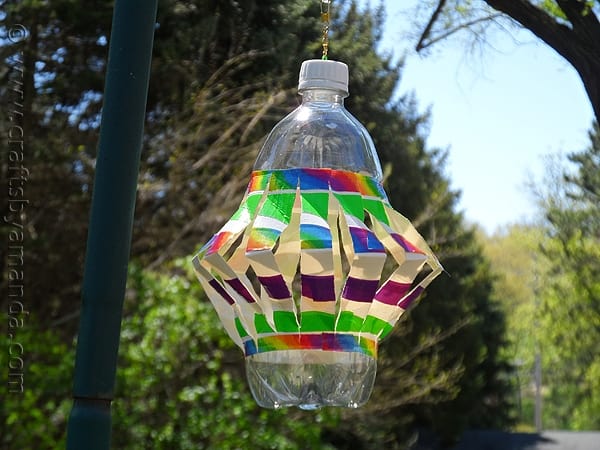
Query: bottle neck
{"x":314,"y":95}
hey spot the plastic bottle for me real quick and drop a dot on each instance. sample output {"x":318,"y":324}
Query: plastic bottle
{"x":320,"y":133}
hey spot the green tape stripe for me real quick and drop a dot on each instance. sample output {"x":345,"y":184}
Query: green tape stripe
{"x":316,"y":321}
{"x":240,"y":328}
{"x":348,"y":321}
{"x":238,"y":214}
{"x":278,"y":206}
{"x":352,"y":204}
{"x":251,"y":203}
{"x":261,"y":324}
{"x":374,"y":325}
{"x":377,"y":209}
{"x":316,"y":203}
{"x":285,"y":321}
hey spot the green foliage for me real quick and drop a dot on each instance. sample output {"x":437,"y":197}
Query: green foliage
{"x":223,"y":73}
{"x":216,"y":91}
{"x":552,"y":8}
{"x":59,"y":71}
{"x":448,"y":352}
{"x":520,"y":271}
{"x":547,"y":280}
{"x":571,"y":295}
{"x":485,"y":398}
{"x":181,"y":383}
{"x":37,"y":416}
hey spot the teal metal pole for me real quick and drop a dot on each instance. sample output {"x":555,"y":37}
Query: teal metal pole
{"x":111,"y":220}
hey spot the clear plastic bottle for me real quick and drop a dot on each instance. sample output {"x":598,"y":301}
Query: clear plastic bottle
{"x":320,"y":133}
{"x":310,"y":379}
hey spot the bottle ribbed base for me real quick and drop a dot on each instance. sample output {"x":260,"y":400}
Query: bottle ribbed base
{"x":310,"y":379}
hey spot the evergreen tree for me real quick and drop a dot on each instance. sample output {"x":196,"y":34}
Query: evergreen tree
{"x":53,"y":78}
{"x":223,"y":73}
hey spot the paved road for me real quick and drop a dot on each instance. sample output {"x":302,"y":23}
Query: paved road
{"x":548,"y":440}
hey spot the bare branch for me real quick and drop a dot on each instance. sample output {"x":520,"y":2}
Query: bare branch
{"x":423,"y":45}
{"x":578,"y":45}
{"x":272,"y":100}
{"x":433,"y":340}
{"x":576,"y":39}
{"x":423,"y":392}
{"x":429,"y":26}
{"x":537,"y":21}
{"x":235,"y":63}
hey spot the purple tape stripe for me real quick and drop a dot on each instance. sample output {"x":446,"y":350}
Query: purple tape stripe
{"x":391,"y":292}
{"x":275,"y":287}
{"x":240,"y":289}
{"x":318,"y":288}
{"x":406,"y":302}
{"x":405,"y":244}
{"x":222,"y":292}
{"x":364,"y":241}
{"x":360,"y":290}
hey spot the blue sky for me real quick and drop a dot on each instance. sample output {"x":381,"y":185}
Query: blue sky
{"x":499,"y":113}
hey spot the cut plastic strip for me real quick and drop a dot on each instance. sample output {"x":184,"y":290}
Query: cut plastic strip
{"x":310,"y":224}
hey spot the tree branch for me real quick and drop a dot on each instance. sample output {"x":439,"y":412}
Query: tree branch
{"x":462,"y":26}
{"x":580,"y":46}
{"x":585,"y":23}
{"x":539,"y":22}
{"x":427,"y":30}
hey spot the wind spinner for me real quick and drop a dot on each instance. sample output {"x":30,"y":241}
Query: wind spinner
{"x":296,"y":275}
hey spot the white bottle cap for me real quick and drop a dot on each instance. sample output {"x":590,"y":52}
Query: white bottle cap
{"x":326,"y":74}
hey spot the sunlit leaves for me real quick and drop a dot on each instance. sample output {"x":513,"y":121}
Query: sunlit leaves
{"x":570,"y":317}
{"x":181,"y":384}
